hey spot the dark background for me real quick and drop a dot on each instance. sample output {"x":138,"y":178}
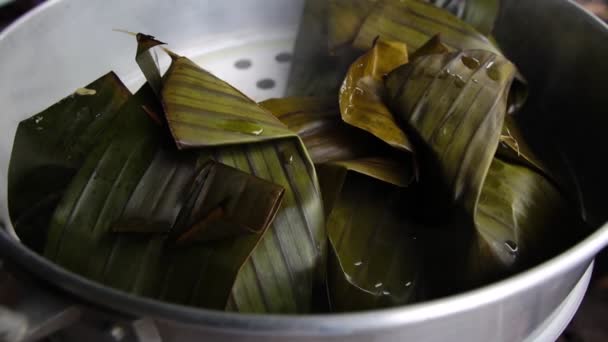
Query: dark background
{"x":590,"y":323}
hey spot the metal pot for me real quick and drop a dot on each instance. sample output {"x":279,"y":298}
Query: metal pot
{"x":558,"y":46}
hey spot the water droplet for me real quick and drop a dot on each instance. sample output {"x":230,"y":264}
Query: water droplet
{"x":386,"y":293}
{"x":493,"y":71}
{"x":460,"y":81}
{"x":117,"y":333}
{"x":378,"y":285}
{"x":85,"y":92}
{"x":97,"y":115}
{"x":288,"y":160}
{"x":38,"y":119}
{"x":358,"y":263}
{"x":408,"y":284}
{"x":512,"y":247}
{"x":475,"y":80}
{"x":286,"y":157}
{"x":470,"y":62}
{"x":39,"y":128}
{"x":243,"y":126}
{"x":444,"y":131}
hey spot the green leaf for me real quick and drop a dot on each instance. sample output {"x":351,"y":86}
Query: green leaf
{"x":206,"y":113}
{"x":50,"y":147}
{"x":315,"y":70}
{"x":454,"y":105}
{"x":347,"y":16}
{"x":373,"y":261}
{"x":433,"y":46}
{"x":362,"y":94}
{"x":514,"y":147}
{"x":481,"y":14}
{"x":414,"y":23}
{"x":138,"y":154}
{"x":147,"y":63}
{"x":201,"y":109}
{"x":344,"y":20}
{"x":78,"y":237}
{"x":521,"y":220}
{"x":212,"y":203}
{"x":396,"y":172}
{"x":317,"y":121}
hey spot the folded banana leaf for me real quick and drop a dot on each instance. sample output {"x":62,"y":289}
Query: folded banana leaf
{"x":208,"y":115}
{"x":363,"y":92}
{"x":317,"y":121}
{"x":79,"y":236}
{"x":433,"y":46}
{"x":347,"y":16}
{"x":454,"y":105}
{"x":315,"y":71}
{"x":206,"y":203}
{"x":146,"y":62}
{"x":414,"y":22}
{"x":51,"y":146}
{"x":481,"y":14}
{"x":136,"y":154}
{"x":373,"y":260}
{"x":513,"y":147}
{"x":521,"y":219}
{"x":203,"y":111}
{"x":136,"y":166}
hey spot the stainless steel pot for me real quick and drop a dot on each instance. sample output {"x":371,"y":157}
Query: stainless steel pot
{"x":560,"y":48}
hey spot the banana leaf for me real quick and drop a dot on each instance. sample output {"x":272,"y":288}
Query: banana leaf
{"x":432,"y":46}
{"x":345,"y":18}
{"x":137,"y":155}
{"x":213,"y":203}
{"x":317,"y":121}
{"x":204,"y":111}
{"x":146,"y":62}
{"x":454,"y":105}
{"x":513,"y":147}
{"x":315,"y":71}
{"x":414,"y":23}
{"x":81,"y":236}
{"x":521,"y":219}
{"x":481,"y":14}
{"x":50,"y":147}
{"x":373,"y":261}
{"x":362,"y":94}
{"x":209,"y":116}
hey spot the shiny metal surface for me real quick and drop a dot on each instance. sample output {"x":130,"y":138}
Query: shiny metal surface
{"x":558,"y":46}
